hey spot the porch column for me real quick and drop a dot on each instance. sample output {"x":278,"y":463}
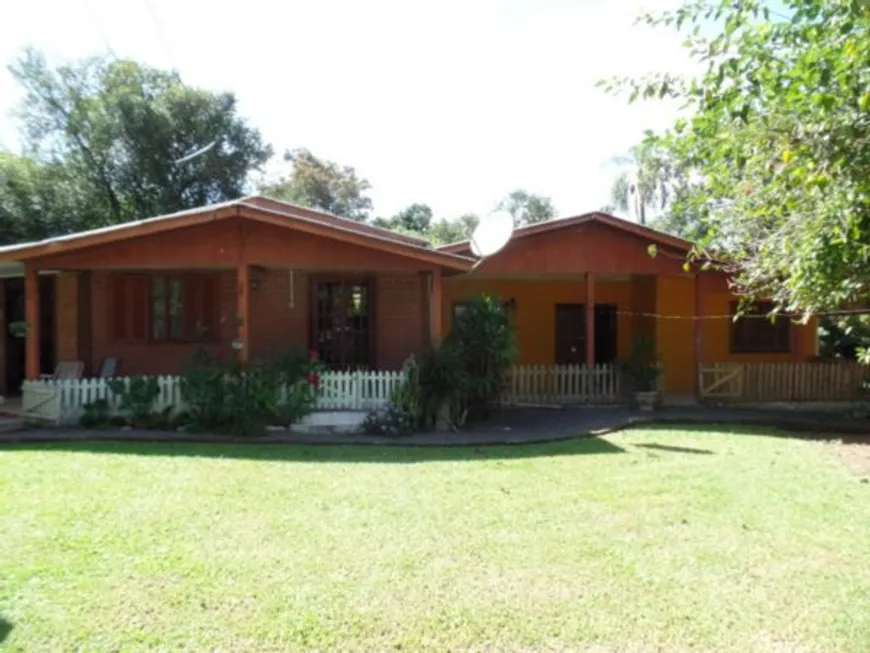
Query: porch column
{"x":590,"y":319}
{"x":435,"y":298}
{"x":699,"y":334}
{"x":31,"y":317}
{"x":243,"y":311}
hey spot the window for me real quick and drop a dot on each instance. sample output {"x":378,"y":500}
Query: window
{"x":754,"y":333}
{"x":165,"y":308}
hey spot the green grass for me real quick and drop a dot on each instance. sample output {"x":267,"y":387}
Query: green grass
{"x":644,"y":540}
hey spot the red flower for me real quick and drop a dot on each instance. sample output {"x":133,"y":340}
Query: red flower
{"x":314,"y":379}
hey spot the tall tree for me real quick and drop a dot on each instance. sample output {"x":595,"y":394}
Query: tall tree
{"x":414,"y":219}
{"x":648,"y":187}
{"x":527,"y":208}
{"x":113,"y":132}
{"x":323,"y":185}
{"x":445,"y":231}
{"x":778,"y":146}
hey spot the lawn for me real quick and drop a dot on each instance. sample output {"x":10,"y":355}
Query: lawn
{"x":644,"y":540}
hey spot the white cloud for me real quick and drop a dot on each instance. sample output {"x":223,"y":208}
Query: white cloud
{"x":453,"y":103}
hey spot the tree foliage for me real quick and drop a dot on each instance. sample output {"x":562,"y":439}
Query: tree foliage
{"x":101,"y":138}
{"x":650,"y":188}
{"x":777,"y":144}
{"x":444,"y":232}
{"x":323,"y":185}
{"x":527,"y":208}
{"x":415,"y":219}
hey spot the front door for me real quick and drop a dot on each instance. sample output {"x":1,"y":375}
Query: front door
{"x":343,"y":324}
{"x":571,"y":334}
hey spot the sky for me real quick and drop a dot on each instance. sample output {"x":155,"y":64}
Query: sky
{"x":453,"y":103}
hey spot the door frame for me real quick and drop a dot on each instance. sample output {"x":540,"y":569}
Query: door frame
{"x":370,"y":281}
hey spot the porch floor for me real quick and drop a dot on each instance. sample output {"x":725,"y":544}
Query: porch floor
{"x":517,"y":426}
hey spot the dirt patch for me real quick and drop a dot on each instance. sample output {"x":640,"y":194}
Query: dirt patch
{"x":855,"y":456}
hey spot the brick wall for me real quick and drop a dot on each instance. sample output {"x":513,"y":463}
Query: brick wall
{"x":150,"y":358}
{"x":280,"y":322}
{"x":400,"y":318}
{"x":279,"y":318}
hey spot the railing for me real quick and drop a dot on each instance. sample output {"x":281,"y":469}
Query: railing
{"x":563,"y":384}
{"x":62,"y":401}
{"x":783,"y":382}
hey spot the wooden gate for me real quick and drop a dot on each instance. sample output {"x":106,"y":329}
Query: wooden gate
{"x":721,"y":381}
{"x":790,"y":382}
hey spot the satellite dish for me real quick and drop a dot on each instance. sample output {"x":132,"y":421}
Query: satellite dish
{"x":196,"y":153}
{"x":493,"y":233}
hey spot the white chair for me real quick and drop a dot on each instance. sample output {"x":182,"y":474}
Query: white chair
{"x":65,"y":370}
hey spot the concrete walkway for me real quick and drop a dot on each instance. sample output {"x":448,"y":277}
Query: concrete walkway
{"x":515,"y":426}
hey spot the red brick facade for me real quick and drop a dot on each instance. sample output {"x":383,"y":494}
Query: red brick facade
{"x":280,"y":321}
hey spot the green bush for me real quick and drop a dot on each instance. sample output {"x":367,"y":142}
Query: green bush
{"x":136,"y":398}
{"x":97,"y":415}
{"x":224,"y":397}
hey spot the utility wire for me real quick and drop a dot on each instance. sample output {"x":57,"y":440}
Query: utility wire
{"x":161,"y":33}
{"x":95,"y":20}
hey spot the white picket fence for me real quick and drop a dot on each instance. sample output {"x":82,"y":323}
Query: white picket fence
{"x":63,"y":401}
{"x":563,"y":384}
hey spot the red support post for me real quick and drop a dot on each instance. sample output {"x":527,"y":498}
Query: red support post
{"x":590,"y":319}
{"x":32,"y":365}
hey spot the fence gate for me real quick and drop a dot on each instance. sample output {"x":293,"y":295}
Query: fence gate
{"x":721,"y":381}
{"x":40,"y":403}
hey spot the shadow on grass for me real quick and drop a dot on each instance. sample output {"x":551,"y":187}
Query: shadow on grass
{"x":769,"y":428}
{"x":5,"y":629}
{"x":391,"y":454}
{"x":673,"y":449}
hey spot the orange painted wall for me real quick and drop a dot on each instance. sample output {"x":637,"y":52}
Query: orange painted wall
{"x":279,"y":322}
{"x":535,"y":311}
{"x":675,"y":336}
{"x":671,"y":295}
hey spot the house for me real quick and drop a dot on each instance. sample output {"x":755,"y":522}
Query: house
{"x":580,"y":290}
{"x":257,"y":276}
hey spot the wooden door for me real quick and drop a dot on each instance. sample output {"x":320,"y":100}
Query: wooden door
{"x":343,"y":324}
{"x":570,"y":334}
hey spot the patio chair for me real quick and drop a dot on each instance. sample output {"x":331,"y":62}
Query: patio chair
{"x":109,"y":368}
{"x":65,"y":370}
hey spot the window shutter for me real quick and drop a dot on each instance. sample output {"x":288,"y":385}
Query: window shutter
{"x":118,"y":324}
{"x":210,"y":308}
{"x":191,"y":309}
{"x":140,"y":296}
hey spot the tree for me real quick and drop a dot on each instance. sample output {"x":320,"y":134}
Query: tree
{"x":650,"y":187}
{"x":110,"y":133}
{"x":322,"y":185}
{"x":445,"y":232}
{"x":778,"y":146}
{"x":415,"y":219}
{"x":527,"y":208}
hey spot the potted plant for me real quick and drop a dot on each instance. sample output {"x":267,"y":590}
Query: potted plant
{"x":642,"y":370}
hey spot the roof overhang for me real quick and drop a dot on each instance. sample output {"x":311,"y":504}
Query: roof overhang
{"x":280,"y":216}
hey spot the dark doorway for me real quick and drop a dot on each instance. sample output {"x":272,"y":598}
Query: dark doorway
{"x":15,"y":341}
{"x":571,"y":334}
{"x":343,"y":328}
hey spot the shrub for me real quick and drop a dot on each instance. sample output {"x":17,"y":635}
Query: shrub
{"x":224,"y":397}
{"x":136,"y":398}
{"x":97,"y":415}
{"x":391,"y":421}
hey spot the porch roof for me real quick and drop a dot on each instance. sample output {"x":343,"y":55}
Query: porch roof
{"x":258,"y":208}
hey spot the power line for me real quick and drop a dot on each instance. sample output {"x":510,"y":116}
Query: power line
{"x":95,"y":20}
{"x":161,"y":34}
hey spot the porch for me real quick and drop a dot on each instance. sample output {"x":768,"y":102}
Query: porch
{"x":251,"y":279}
